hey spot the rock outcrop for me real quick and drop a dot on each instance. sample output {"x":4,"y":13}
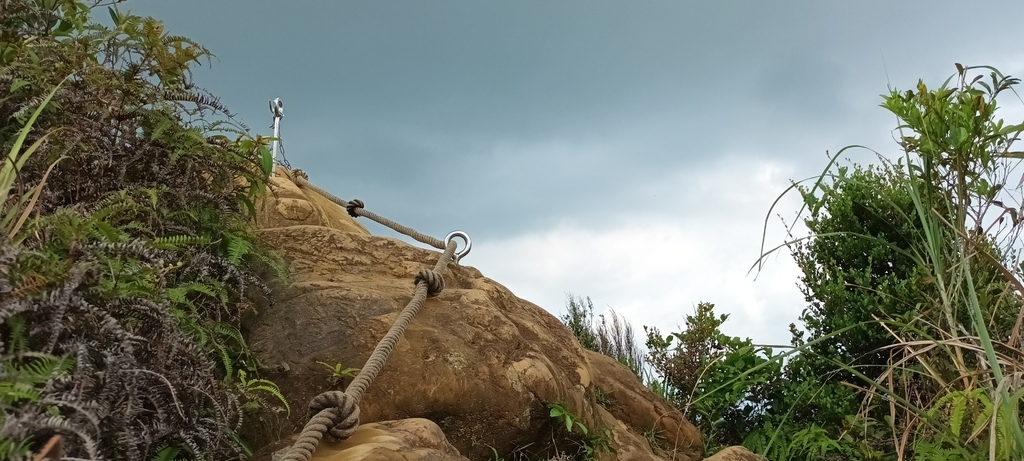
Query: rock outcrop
{"x":413,"y":439}
{"x":478,"y":362}
{"x":735,"y":454}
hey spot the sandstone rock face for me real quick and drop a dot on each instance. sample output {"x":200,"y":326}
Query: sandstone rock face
{"x":286,"y":204}
{"x":478,"y":361}
{"x":735,"y":454}
{"x":643,"y":413}
{"x":404,"y":440}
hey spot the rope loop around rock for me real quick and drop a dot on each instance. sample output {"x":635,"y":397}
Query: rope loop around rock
{"x":354,"y":205}
{"x":434,"y":281}
{"x":342,"y":411}
{"x":334,"y":414}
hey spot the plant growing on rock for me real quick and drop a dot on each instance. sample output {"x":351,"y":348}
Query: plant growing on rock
{"x":571,"y":422}
{"x":588,"y":442}
{"x":338,"y":373}
{"x":613,"y":338}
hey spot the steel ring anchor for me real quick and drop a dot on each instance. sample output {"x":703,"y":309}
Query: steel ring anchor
{"x":465,"y":251}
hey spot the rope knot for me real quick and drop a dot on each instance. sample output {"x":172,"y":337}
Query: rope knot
{"x":434,"y":281}
{"x":352,"y":206}
{"x":337,"y":411}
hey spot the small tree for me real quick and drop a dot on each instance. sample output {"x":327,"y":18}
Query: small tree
{"x":720,"y":382}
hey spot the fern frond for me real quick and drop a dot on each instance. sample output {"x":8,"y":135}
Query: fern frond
{"x":175,"y":242}
{"x":17,"y":337}
{"x":250,"y":387}
{"x":63,"y":426}
{"x":86,"y":411}
{"x":15,"y":449}
{"x":14,"y":391}
{"x":166,"y":453}
{"x":238,"y":248}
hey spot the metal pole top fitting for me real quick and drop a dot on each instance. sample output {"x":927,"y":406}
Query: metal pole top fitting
{"x":277,"y":107}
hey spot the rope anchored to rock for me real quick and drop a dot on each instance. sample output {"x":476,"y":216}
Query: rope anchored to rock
{"x":335,"y":414}
{"x":355,"y":209}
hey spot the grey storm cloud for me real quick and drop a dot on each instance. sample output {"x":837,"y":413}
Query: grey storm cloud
{"x":512,"y":114}
{"x":625,"y":150}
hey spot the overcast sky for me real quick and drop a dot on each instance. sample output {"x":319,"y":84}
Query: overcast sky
{"x":626,"y":151}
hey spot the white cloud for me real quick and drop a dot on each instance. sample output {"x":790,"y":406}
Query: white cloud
{"x":653,"y":268}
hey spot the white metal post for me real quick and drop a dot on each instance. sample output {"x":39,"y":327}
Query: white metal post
{"x":276,"y":108}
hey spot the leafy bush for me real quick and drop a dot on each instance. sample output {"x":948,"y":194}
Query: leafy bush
{"x":915,"y":293}
{"x":720,"y":382}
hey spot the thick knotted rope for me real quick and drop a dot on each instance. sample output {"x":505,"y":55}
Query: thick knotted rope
{"x":433,"y":280}
{"x":335,"y":413}
{"x":354,"y":205}
{"x":355,"y":209}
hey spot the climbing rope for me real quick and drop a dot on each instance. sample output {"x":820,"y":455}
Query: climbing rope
{"x":335,"y":414}
{"x":355,"y":209}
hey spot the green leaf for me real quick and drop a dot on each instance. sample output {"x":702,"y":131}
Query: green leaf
{"x":18,"y":84}
{"x":249,"y":206}
{"x":1010,"y":129}
{"x":167,"y":454}
{"x":64,"y":28}
{"x":266,"y":160}
{"x":956,"y":417}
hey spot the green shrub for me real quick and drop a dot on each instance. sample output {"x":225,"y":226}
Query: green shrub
{"x":721,"y":383}
{"x":915,"y":293}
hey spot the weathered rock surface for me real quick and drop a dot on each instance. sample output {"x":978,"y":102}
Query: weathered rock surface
{"x":287,"y":204}
{"x":412,"y":439}
{"x":735,"y":454}
{"x":478,"y":361}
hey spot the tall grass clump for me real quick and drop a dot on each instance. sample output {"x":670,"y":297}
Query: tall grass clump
{"x":611,"y":335}
{"x":915,"y":283}
{"x":964,"y":352}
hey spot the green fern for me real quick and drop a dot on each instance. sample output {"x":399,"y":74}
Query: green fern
{"x":22,"y":375}
{"x":181,"y":293}
{"x":110,"y":233}
{"x":223,"y":332}
{"x":11,"y":449}
{"x":175,"y":242}
{"x":275,"y":263}
{"x":17,"y":341}
{"x":169,"y":453}
{"x":973,"y":407}
{"x":23,"y":371}
{"x":238,"y":246}
{"x":252,"y":388}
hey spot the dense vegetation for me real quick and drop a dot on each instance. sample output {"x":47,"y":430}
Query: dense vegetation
{"x":126,"y":254}
{"x":910,"y":345}
{"x":127,"y":263}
